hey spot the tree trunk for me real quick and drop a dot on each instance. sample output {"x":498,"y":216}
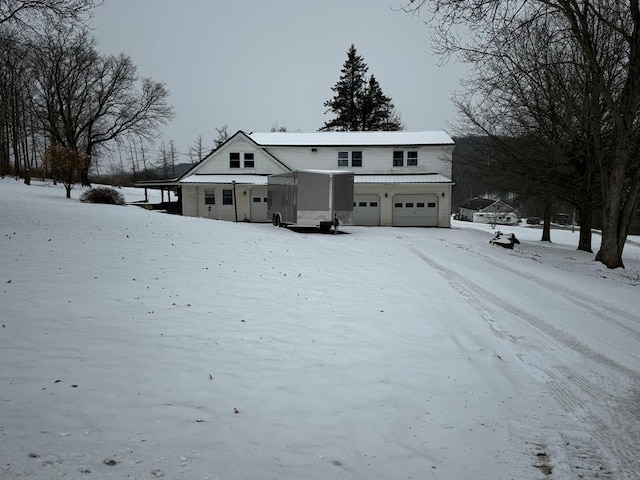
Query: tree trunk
{"x":584,"y":242}
{"x":546,"y":222}
{"x":586,"y":221}
{"x":613,"y":182}
{"x":84,"y":177}
{"x":68,"y":189}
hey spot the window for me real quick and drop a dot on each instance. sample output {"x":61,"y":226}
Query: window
{"x":373,"y":204}
{"x":420,"y":204}
{"x":227,"y":197}
{"x":356,"y":159}
{"x":343,"y":159}
{"x":362,"y":204}
{"x":234,"y":160}
{"x":398,"y":158}
{"x":410,"y":205}
{"x":431,"y":205}
{"x":256,"y":199}
{"x":209,"y":197}
{"x":398,"y":205}
{"x":248,"y":160}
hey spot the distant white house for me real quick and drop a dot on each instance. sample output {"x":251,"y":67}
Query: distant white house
{"x":401,"y":178}
{"x":484,"y":210}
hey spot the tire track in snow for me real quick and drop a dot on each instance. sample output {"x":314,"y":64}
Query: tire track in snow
{"x":477,"y":295}
{"x":605,"y":311}
{"x":619,"y":431}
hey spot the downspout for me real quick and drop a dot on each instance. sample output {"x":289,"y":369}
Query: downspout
{"x":235,"y":203}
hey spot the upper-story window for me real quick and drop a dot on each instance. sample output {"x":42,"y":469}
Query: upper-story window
{"x":399,"y":157}
{"x":234,"y":160}
{"x":354,"y":157}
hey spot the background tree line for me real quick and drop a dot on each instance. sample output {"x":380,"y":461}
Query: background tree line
{"x":58,"y":91}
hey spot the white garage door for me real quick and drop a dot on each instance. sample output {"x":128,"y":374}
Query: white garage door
{"x":259,"y":204}
{"x":415,"y":210}
{"x":366,"y":210}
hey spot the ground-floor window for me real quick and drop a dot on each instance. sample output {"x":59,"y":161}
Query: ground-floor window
{"x":227,"y":197}
{"x":209,"y":196}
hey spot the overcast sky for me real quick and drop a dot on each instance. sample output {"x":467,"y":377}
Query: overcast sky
{"x":255,"y":63}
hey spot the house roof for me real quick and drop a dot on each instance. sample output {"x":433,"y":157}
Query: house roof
{"x":262,"y":179}
{"x":231,"y":139}
{"x":499,"y":204}
{"x":477,"y":203}
{"x":297,"y":139}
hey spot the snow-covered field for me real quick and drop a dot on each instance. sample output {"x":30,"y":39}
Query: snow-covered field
{"x":135,"y":344}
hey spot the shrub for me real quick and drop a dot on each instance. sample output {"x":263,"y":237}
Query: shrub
{"x":102,"y":195}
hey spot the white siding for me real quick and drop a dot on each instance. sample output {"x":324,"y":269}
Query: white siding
{"x":218,"y":161}
{"x":194,"y":205}
{"x":375,"y":160}
{"x":189,"y":201}
{"x":193,"y":202}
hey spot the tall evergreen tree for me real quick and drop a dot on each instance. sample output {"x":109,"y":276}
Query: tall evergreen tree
{"x":358,"y":102}
{"x":376,"y":110}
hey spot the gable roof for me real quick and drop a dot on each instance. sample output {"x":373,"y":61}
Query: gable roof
{"x":232,"y":138}
{"x":486,"y":204}
{"x":499,"y":204}
{"x":477,"y":203}
{"x":299,"y":139}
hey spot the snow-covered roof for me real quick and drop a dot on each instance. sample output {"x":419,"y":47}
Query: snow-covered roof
{"x":427,"y":178}
{"x":241,"y":179}
{"x":292,"y":139}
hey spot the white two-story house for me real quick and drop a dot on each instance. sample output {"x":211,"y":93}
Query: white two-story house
{"x":401,"y":178}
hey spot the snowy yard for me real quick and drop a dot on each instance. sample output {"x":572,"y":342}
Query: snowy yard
{"x":135,"y":344}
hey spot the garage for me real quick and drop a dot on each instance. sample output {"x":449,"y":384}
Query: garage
{"x":258,"y":207}
{"x":366,"y":210}
{"x":418,"y":210}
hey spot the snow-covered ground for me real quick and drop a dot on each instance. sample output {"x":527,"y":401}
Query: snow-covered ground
{"x":135,"y":344}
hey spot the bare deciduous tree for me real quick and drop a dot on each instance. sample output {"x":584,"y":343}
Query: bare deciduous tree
{"x":84,"y":100}
{"x":28,"y":12}
{"x":222,"y":135}
{"x":197,"y":150}
{"x":601,"y":43}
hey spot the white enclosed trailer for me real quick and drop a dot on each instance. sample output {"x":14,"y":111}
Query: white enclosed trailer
{"x":311,"y":198}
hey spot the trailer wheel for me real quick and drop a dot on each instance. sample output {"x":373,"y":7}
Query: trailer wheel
{"x":276,"y":220}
